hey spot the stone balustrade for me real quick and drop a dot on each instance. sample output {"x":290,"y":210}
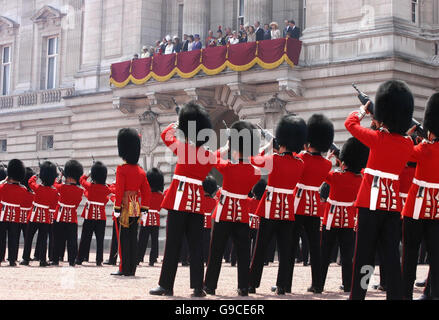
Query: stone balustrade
{"x":35,"y":98}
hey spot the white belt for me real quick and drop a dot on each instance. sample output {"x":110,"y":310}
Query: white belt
{"x":37,"y":205}
{"x":269,"y":198}
{"x":230,"y":195}
{"x":280,"y":190}
{"x":96,"y":203}
{"x":309,"y":188}
{"x":26,"y":209}
{"x":420,"y":196}
{"x":6,"y":204}
{"x":331,"y":214}
{"x":180,"y":189}
{"x":403,"y":195}
{"x":207,"y":213}
{"x":375,"y":187}
{"x":63,"y":205}
{"x":381,"y":174}
{"x":153,"y":211}
{"x":299,"y":193}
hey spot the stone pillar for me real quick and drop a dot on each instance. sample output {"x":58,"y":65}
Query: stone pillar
{"x":258,"y":10}
{"x":196,"y":15}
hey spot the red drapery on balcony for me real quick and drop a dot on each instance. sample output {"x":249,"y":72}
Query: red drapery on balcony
{"x":268,"y":54}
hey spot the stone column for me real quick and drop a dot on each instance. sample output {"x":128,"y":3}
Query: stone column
{"x":196,"y":15}
{"x":258,"y":10}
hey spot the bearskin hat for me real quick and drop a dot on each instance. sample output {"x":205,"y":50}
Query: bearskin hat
{"x":48,"y":173}
{"x":431,"y":118}
{"x":29,"y":173}
{"x":354,"y":154}
{"x":259,"y":189}
{"x":394,"y":105}
{"x":3,"y":174}
{"x":320,"y":132}
{"x":194,"y":115}
{"x":291,"y":132}
{"x":324,"y":191}
{"x":73,"y":169}
{"x":16,"y":170}
{"x":244,"y":138}
{"x":128,"y":145}
{"x":209,"y":186}
{"x":99,"y":173}
{"x":155,"y":179}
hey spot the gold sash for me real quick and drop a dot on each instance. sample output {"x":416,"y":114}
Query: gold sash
{"x":130,"y":208}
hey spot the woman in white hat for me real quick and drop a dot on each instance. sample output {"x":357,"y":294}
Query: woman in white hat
{"x":275,"y":32}
{"x":169,"y":46}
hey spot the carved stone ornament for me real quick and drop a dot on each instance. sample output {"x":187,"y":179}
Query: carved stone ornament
{"x":8,"y":27}
{"x":275,"y":105}
{"x":150,"y":130}
{"x":47,"y":16}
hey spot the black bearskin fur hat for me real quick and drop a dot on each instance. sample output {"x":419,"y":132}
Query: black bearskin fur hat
{"x":193,"y":114}
{"x":291,"y":133}
{"x":16,"y":170}
{"x":48,"y":173}
{"x":209,"y":186}
{"x":73,"y":169}
{"x":320,"y":132}
{"x":128,"y":144}
{"x":354,"y":154}
{"x":431,"y":118}
{"x":259,"y":189}
{"x":3,"y":174}
{"x":245,"y":138}
{"x":155,"y":179}
{"x":27,"y":176}
{"x":99,"y":173}
{"x":394,"y":105}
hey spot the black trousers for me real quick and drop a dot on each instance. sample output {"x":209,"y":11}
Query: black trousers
{"x":302,"y":251}
{"x":65,"y":232}
{"x":228,"y":251}
{"x":377,"y":228}
{"x":253,"y":237}
{"x":114,"y":243}
{"x":11,"y":231}
{"x":128,"y":247}
{"x":178,"y":225}
{"x":221,"y":232}
{"x":184,"y":252}
{"x":41,"y":245}
{"x":142,"y":244}
{"x":206,"y":244}
{"x":346,"y":240}
{"x":413,"y":233}
{"x":282,"y":230}
{"x":88,"y":228}
{"x":311,"y":226}
{"x":271,"y":251}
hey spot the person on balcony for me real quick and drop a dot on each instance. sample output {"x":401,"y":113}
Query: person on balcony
{"x":197,"y":43}
{"x":287,"y":27}
{"x":234,"y":39}
{"x":145,"y":52}
{"x":178,"y":46}
{"x":190,"y":43}
{"x":243,"y":37}
{"x":251,"y":35}
{"x":259,"y":31}
{"x":158,"y":48}
{"x":210,"y":39}
{"x":267,"y":32}
{"x":293,"y":31}
{"x":185,"y":43}
{"x":275,"y":32}
{"x":220,"y":41}
{"x":169,"y":46}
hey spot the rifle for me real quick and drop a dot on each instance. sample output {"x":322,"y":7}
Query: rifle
{"x":94,"y":161}
{"x":227,"y":129}
{"x":335,"y":149}
{"x":60,"y":169}
{"x":177,"y":107}
{"x":364,"y":98}
{"x":268,"y":136}
{"x":2,"y":164}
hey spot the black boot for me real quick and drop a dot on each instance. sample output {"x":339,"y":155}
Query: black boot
{"x":243,"y":292}
{"x":198,"y":293}
{"x":117,"y":273}
{"x":44,"y":264}
{"x":12,"y":264}
{"x":110,"y":263}
{"x":24,"y":262}
{"x":160,"y":291}
{"x":315,"y":290}
{"x":280,"y":291}
{"x":209,"y":291}
{"x":251,"y":290}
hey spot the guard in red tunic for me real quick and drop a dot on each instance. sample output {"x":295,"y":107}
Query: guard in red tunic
{"x":209,"y":204}
{"x":97,"y":193}
{"x":340,"y":212}
{"x":276,"y":208}
{"x":41,"y":216}
{"x":26,"y":204}
{"x":306,"y":194}
{"x":184,"y":198}
{"x":231,"y":213}
{"x":150,"y":223}
{"x":11,"y":195}
{"x":378,"y":199}
{"x":254,"y":220}
{"x":133,"y":195}
{"x":406,"y":180}
{"x":421,"y":211}
{"x":65,"y":226}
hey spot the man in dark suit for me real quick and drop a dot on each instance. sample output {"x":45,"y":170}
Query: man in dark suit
{"x":185,"y":43}
{"x":293,"y":31}
{"x":259,"y":31}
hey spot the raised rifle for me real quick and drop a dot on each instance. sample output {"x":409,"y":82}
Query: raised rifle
{"x":335,"y":149}
{"x":177,"y":107}
{"x":268,"y":136}
{"x":364,"y":99}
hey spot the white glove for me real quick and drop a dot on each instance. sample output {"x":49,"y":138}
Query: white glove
{"x":144,"y":216}
{"x":116,"y":214}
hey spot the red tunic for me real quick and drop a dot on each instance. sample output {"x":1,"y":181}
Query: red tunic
{"x":405,"y":182}
{"x":306,"y":194}
{"x":423,"y":199}
{"x":11,"y":195}
{"x":26,"y":205}
{"x":193,"y":164}
{"x":277,"y":201}
{"x":238,"y":180}
{"x":254,"y":219}
{"x":209,"y":204}
{"x":153,"y":215}
{"x":45,"y":202}
{"x":70,"y":196}
{"x":388,"y":156}
{"x":131,"y":177}
{"x":97,"y":198}
{"x":340,"y":211}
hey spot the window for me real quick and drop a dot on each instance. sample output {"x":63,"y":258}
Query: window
{"x":304,"y":15}
{"x":240,"y":12}
{"x":436,"y":49}
{"x":180,"y":22}
{"x":3,"y":145}
{"x":414,"y":10}
{"x":46,"y":142}
{"x":6,"y":70}
{"x":52,"y":56}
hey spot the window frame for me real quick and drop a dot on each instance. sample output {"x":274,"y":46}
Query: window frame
{"x":41,"y":146}
{"x":3,"y":67}
{"x":241,"y":15}
{"x":414,"y":11}
{"x":55,"y":63}
{"x":1,"y":145}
